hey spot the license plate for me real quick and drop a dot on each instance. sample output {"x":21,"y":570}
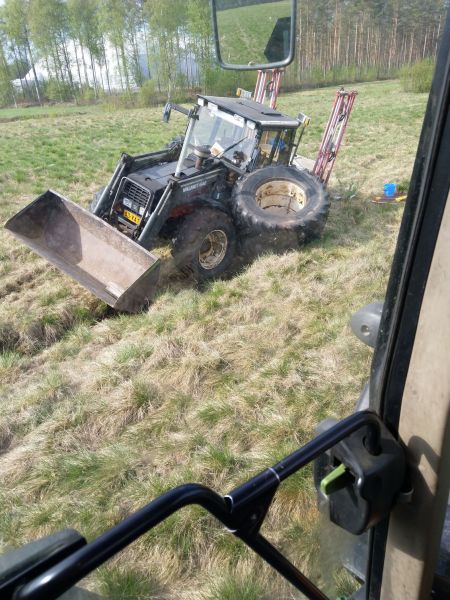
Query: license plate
{"x":132,"y":217}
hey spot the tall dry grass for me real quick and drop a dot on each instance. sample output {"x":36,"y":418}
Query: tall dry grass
{"x":101,"y":412}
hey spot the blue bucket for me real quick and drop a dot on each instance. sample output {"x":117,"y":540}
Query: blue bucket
{"x":390,"y":189}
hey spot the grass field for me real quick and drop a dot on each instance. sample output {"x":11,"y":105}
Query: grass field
{"x":101,"y":412}
{"x":42,"y":112}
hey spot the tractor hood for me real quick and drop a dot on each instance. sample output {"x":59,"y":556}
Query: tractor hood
{"x":157,"y":177}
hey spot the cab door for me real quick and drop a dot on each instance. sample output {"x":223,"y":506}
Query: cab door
{"x":410,"y":378}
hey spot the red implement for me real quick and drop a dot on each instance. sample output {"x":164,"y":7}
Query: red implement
{"x":334,"y":132}
{"x":268,"y":84}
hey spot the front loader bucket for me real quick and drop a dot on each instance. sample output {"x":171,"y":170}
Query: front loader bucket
{"x":102,"y":259}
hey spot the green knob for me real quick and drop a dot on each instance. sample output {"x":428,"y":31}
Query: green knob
{"x":339,"y":478}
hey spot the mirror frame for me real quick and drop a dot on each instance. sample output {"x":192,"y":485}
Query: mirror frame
{"x":263,"y":66}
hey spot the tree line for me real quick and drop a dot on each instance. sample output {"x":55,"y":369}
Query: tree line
{"x":365,"y":39}
{"x":92,"y":48}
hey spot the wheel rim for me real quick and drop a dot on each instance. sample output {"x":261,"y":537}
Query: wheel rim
{"x":213,"y":249}
{"x":281,"y":197}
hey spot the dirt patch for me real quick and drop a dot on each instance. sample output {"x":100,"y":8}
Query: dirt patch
{"x":9,"y":337}
{"x":27,"y":279}
{"x":32,"y":337}
{"x":6,"y":437}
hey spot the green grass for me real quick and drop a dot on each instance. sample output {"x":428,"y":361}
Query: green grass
{"x":38,"y":112}
{"x":232,"y":588}
{"x":418,"y":77}
{"x":102,"y":412}
{"x":126,"y":584}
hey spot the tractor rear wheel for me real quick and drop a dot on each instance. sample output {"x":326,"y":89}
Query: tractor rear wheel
{"x":281,"y":202}
{"x":205,"y":244}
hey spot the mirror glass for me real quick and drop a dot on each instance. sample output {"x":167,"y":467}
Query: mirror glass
{"x":254,"y":34}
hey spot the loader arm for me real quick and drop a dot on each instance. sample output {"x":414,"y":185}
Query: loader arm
{"x":126,"y":165}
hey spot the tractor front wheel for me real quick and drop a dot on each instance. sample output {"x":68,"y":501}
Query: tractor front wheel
{"x":205,"y":244}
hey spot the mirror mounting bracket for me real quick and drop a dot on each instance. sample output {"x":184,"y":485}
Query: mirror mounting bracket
{"x":169,"y":106}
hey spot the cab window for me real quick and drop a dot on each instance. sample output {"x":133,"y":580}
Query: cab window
{"x":274,"y":147}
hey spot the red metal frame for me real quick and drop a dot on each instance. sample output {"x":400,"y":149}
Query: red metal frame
{"x":265,"y":86}
{"x":334,"y":132}
{"x":336,"y":126}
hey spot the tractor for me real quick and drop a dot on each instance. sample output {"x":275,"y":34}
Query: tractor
{"x":232,"y":186}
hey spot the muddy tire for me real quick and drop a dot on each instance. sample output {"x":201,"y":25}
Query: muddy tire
{"x":281,"y":203}
{"x":205,"y":244}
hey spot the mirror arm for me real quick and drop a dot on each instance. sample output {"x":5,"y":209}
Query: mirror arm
{"x":191,"y":113}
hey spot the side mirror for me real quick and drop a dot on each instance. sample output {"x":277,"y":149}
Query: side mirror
{"x":366,"y":322}
{"x":254,"y":34}
{"x":166,"y":112}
